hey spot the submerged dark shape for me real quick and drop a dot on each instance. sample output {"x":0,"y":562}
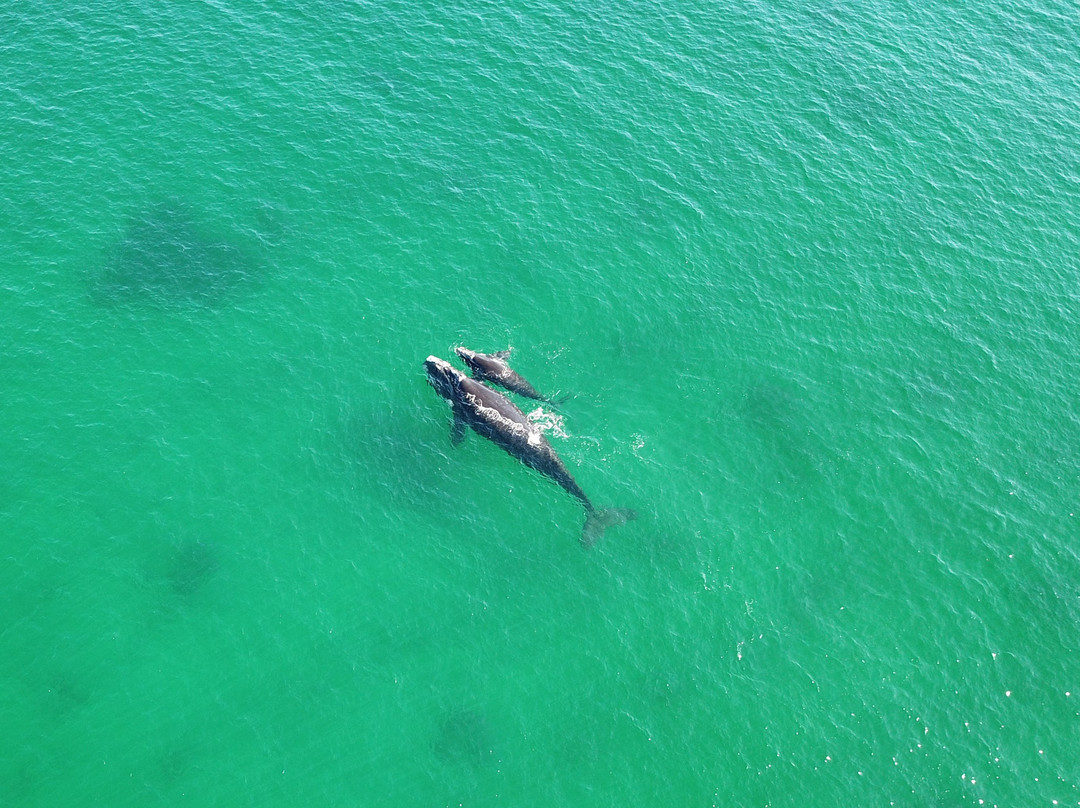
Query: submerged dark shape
{"x":464,"y":736}
{"x":778,"y":414}
{"x":191,"y":565}
{"x":166,"y":258}
{"x":494,"y":368}
{"x":494,"y":416}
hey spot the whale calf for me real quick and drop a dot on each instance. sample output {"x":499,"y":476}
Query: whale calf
{"x":491,"y":414}
{"x":494,"y":368}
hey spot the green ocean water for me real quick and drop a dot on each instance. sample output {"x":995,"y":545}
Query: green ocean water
{"x":810,"y":276}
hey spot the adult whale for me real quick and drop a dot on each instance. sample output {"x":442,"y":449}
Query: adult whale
{"x":494,"y":368}
{"x":494,"y":416}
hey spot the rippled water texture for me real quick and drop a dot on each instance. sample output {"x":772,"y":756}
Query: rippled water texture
{"x":804,"y":280}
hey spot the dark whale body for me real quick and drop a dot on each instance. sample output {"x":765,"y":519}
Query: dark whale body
{"x":493,"y":368}
{"x":491,"y":414}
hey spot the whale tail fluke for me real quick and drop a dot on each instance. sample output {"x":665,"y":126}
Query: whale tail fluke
{"x":596,"y":522}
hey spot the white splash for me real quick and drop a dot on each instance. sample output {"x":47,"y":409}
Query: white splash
{"x":547,"y":422}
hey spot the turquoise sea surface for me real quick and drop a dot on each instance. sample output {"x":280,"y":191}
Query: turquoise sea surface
{"x":808,"y":273}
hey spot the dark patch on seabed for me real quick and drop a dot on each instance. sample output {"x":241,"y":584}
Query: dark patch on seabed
{"x":464,"y":736}
{"x":65,"y":691}
{"x":167,"y":257}
{"x":191,"y":564}
{"x":782,"y":422}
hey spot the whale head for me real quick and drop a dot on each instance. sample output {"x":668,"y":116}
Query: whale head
{"x":443,"y":376}
{"x":476,"y":362}
{"x":465,"y":354}
{"x":484,"y":364}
